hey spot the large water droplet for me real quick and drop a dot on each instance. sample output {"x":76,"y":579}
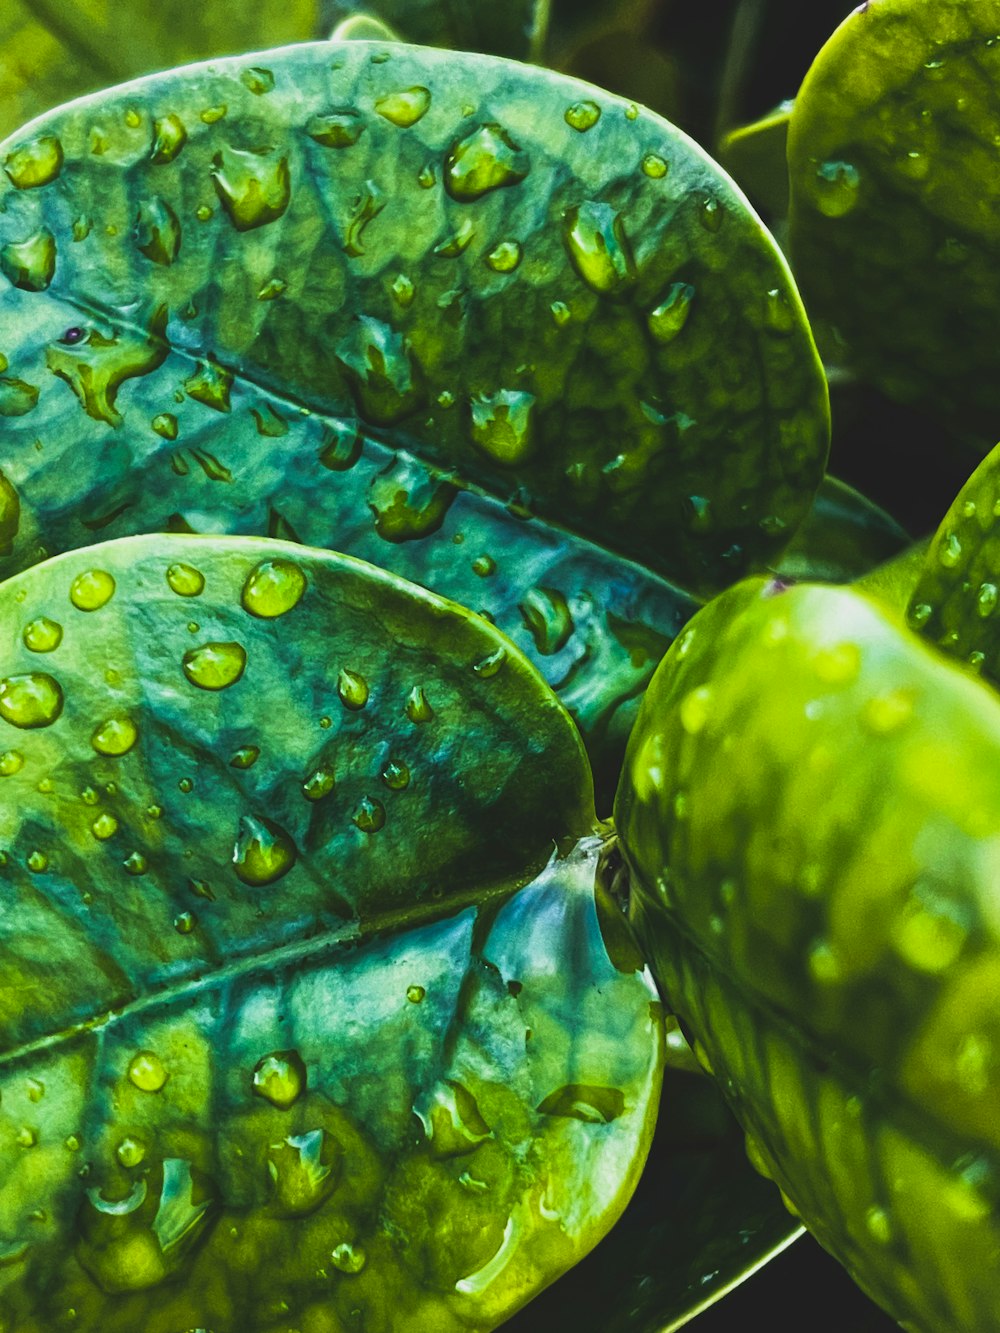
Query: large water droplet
{"x":408,"y":501}
{"x":169,"y":137}
{"x":280,"y":1078}
{"x":452,"y":1120}
{"x":185,"y":580}
{"x":215,"y":666}
{"x":35,"y":163}
{"x":502,"y":425}
{"x":211,"y":385}
{"x":404,"y":108}
{"x":418,"y":707}
{"x":369,"y":815}
{"x":304,"y":1171}
{"x":487,"y":159}
{"x":582,"y":116}
{"x":273,"y":588}
{"x":586,"y":1102}
{"x":42,"y":635}
{"x":92,"y":589}
{"x":837,"y":188}
{"x":96,"y":367}
{"x":157,"y":231}
{"x":598,"y":247}
{"x":30,"y":264}
{"x":115,"y":737}
{"x":352,"y":689}
{"x":338,"y":129}
{"x":547,"y":616}
{"x":263,"y":851}
{"x":147,"y":1072}
{"x":30,"y":701}
{"x":669,"y":317}
{"x":255,"y":188}
{"x":379,"y":368}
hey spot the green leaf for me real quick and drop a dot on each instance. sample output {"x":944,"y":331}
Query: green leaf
{"x":50,"y":52}
{"x":516,"y":29}
{"x":301,"y":1013}
{"x":844,"y":536}
{"x":957,"y":593}
{"x":895,"y":200}
{"x":755,"y":155}
{"x":808,"y":807}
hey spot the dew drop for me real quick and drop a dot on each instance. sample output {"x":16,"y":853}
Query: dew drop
{"x":403,"y":290}
{"x":377,"y":364}
{"x":950,"y":551}
{"x":986,"y":600}
{"x":258,"y":80}
{"x":304,"y":1171}
{"x":341,"y":449}
{"x":504,"y":257}
{"x":487,"y":667}
{"x":215,"y":666}
{"x":711,"y":214}
{"x":210,"y":385}
{"x":254,"y":188}
{"x":415,"y":994}
{"x":455,"y":242}
{"x":11,"y":762}
{"x":185,"y":580}
{"x":368,"y":203}
{"x":245,"y":757}
{"x":338,"y":129}
{"x":157,"y":231}
{"x":598,"y":247}
{"x":42,"y":635}
{"x":654,"y":166}
{"x":487,"y":159}
{"x":546,"y":615}
{"x":263,"y":851}
{"x":369,"y":815}
{"x":320,"y":783}
{"x":273,"y":588}
{"x":352,"y":689}
{"x":502,"y":425}
{"x":582,"y":116}
{"x":147,"y":1072}
{"x":837,"y":187}
{"x":404,"y":108}
{"x":30,"y":701}
{"x":38,"y":862}
{"x":280,"y":1078}
{"x":669,"y":317}
{"x":484,"y":566}
{"x":115,"y":737}
{"x":105,"y":826}
{"x":165,"y":425}
{"x":396,"y":774}
{"x":453,"y":1123}
{"x":348,"y":1258}
{"x":408,"y":501}
{"x":30,"y":264}
{"x":130,"y":1152}
{"x":418,"y":708}
{"x":135,"y":864}
{"x":92,"y":589}
{"x":169,"y":137}
{"x":35,"y":163}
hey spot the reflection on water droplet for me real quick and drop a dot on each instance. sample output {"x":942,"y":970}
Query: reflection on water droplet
{"x":418,"y":708}
{"x":42,"y":635}
{"x":836,"y":189}
{"x":255,"y":188}
{"x":547,"y":616}
{"x":263,"y":851}
{"x":11,"y":762}
{"x":586,"y":1102}
{"x":368,"y":203}
{"x":453,"y":1123}
{"x":487,"y":667}
{"x":404,"y":108}
{"x":341,"y":448}
{"x":169,"y":137}
{"x":34,"y":163}
{"x":352,"y":689}
{"x":487,"y":159}
{"x":280,"y":1078}
{"x":257,"y":79}
{"x":115,"y":737}
{"x":654,"y":166}
{"x":669,"y":317}
{"x":215,"y":666}
{"x":409,"y":502}
{"x":165,"y":425}
{"x":157,"y":231}
{"x":379,"y":368}
{"x":30,"y":701}
{"x":415,"y":994}
{"x":598,"y":247}
{"x":582,"y":116}
{"x":185,"y":580}
{"x":348,"y":1258}
{"x":245,"y":757}
{"x":452,"y":244}
{"x":502,"y":425}
{"x":304,"y":1171}
{"x":369,"y":815}
{"x":950,"y":550}
{"x":147,"y":1072}
{"x":30,"y":264}
{"x":273,"y":588}
{"x":396,"y":775}
{"x":105,"y":826}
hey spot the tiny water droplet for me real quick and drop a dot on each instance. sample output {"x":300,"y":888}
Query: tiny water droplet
{"x":42,"y":635}
{"x":348,"y":1258}
{"x":169,"y":137}
{"x":654,"y":166}
{"x":488,"y":666}
{"x":396,"y":775}
{"x":280,"y":1078}
{"x":130,"y":1152}
{"x":245,"y":757}
{"x":986,"y":600}
{"x":486,"y":159}
{"x":185,"y":785}
{"x":92,"y":589}
{"x":415,"y":994}
{"x":105,"y":826}
{"x":582,"y":116}
{"x":31,"y":700}
{"x":598,"y":247}
{"x":369,"y":815}
{"x":38,"y":862}
{"x":185,"y":580}
{"x":258,"y":80}
{"x":30,"y":264}
{"x":426,"y":177}
{"x":11,"y":762}
{"x":403,"y":290}
{"x":502,"y":425}
{"x":711,"y":214}
{"x":254,"y":188}
{"x":263,"y":851}
{"x":404,"y":108}
{"x":147,"y":1072}
{"x":115,"y":737}
{"x":547,"y":617}
{"x":950,"y":551}
{"x":418,"y":708}
{"x":667,"y":319}
{"x":273,"y":588}
{"x":35,"y":163}
{"x":352,"y":689}
{"x":215,"y":666}
{"x":837,"y":188}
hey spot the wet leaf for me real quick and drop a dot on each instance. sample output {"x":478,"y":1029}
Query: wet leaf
{"x":894,"y":200}
{"x":810,"y":806}
{"x":50,"y":52}
{"x":303,"y":1012}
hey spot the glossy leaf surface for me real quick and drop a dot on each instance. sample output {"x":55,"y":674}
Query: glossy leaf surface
{"x":894,"y":228}
{"x":811,"y":806}
{"x":280,"y":1038}
{"x":52,"y":51}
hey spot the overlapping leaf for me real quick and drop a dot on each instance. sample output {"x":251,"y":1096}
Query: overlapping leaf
{"x":811,"y":807}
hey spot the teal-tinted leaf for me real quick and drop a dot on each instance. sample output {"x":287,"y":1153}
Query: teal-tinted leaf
{"x":810,"y":806}
{"x":268,"y":979}
{"x":844,"y":536}
{"x":50,"y":52}
{"x":956,"y":600}
{"x":894,"y":199}
{"x":526,"y":304}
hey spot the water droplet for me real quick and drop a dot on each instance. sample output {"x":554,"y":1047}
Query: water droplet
{"x":396,"y":774}
{"x":426,"y":177}
{"x":348,"y":1258}
{"x":409,"y":501}
{"x":263,"y":851}
{"x":185,"y":580}
{"x":950,"y":551}
{"x":320,"y":783}
{"x":502,"y":425}
{"x":30,"y":264}
{"x":919,"y":614}
{"x":30,"y":701}
{"x":257,"y":79}
{"x":504,"y":257}
{"x":369,"y":815}
{"x":213,"y":114}
{"x":452,"y":1121}
{"x":210,"y":385}
{"x":96,"y":368}
{"x":11,"y":762}
{"x":582,"y":116}
{"x":887,"y":712}
{"x":404,"y":108}
{"x":669,"y":317}
{"x":584,"y":1101}
{"x":165,"y":425}
{"x":341,"y":449}
{"x":368,"y":203}
{"x":147,"y":1072}
{"x":280,"y":1078}
{"x":169,"y":137}
{"x":10,"y":513}
{"x":201,"y":890}
{"x":35,"y":163}
{"x":487,"y":159}
{"x":185,"y":785}
{"x":418,"y":708}
{"x":352,"y":689}
{"x":547,"y":617}
{"x":157,"y":231}
{"x":215,"y":666}
{"x":403,"y":290}
{"x":135,"y":864}
{"x":304,"y":1171}
{"x":696,"y":709}
{"x":654,"y":166}
{"x":38,"y":862}
{"x":452,"y":245}
{"x":130,"y":1152}
{"x":379,"y":369}
{"x":598,"y":247}
{"x":837,"y":664}
{"x":415,"y":994}
{"x":17,"y":397}
{"x":27,"y":1137}
{"x":72,"y":1143}
{"x":338,"y":129}
{"x":273,"y":588}
{"x":42,"y":635}
{"x":115,"y":737}
{"x":255,"y":188}
{"x":484,"y":566}
{"x":930,"y":931}
{"x":837,"y":188}
{"x":631,"y":111}
{"x":986,"y":600}
{"x":487,"y":667}
{"x":105,"y":826}
{"x":711,"y":214}
{"x":245,"y":757}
